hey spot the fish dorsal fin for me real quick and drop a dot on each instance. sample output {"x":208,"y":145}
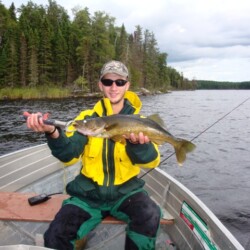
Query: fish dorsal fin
{"x":156,"y":118}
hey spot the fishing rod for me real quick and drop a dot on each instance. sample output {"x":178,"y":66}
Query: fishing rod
{"x":202,"y":132}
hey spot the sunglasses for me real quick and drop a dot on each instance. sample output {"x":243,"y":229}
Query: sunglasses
{"x":109,"y":82}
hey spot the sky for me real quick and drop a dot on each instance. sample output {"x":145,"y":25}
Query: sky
{"x":204,"y":39}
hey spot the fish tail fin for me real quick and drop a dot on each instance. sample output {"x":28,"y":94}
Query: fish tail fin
{"x":181,"y":149}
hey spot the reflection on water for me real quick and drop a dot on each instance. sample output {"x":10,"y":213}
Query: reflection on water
{"x":218,"y":171}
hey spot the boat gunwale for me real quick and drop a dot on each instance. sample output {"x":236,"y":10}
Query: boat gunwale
{"x":202,"y":206}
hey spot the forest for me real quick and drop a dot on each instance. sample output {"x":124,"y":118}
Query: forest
{"x":205,"y":84}
{"x":41,"y":46}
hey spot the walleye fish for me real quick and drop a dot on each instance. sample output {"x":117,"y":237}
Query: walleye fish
{"x":117,"y":127}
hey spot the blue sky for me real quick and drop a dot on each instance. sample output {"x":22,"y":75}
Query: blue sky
{"x":204,"y":39}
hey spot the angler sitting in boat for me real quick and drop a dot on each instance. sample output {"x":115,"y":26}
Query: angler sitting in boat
{"x":108,"y":182}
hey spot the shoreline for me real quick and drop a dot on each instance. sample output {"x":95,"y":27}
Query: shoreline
{"x":8,"y":94}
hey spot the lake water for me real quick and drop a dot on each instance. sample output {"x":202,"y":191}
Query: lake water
{"x":218,"y":122}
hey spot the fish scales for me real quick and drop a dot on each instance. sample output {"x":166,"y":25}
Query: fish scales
{"x":118,"y":127}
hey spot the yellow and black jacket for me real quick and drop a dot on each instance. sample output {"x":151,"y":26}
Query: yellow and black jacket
{"x":109,"y":168}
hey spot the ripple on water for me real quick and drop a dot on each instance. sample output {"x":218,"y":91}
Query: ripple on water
{"x":218,"y":171}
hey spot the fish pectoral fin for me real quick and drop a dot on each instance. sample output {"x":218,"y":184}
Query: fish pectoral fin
{"x":110,"y":127}
{"x":118,"y":138}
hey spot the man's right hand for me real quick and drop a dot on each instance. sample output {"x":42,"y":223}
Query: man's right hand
{"x":35,"y":122}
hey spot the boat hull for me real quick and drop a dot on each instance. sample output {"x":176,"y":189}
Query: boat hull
{"x":35,"y":170}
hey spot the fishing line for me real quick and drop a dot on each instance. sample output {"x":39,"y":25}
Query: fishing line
{"x":202,"y":132}
{"x":205,"y":130}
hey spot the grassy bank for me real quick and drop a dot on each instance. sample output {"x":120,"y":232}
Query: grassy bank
{"x":53,"y":92}
{"x":34,"y":93}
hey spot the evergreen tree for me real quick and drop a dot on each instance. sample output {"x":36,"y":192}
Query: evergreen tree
{"x":30,"y":21}
{"x":57,"y":20}
{"x":4,"y":22}
{"x":136,"y":56}
{"x":82,"y":41}
{"x":12,"y":12}
{"x":164,"y":80}
{"x":121,"y":45}
{"x":150,"y":61}
{"x":45,"y":54}
{"x":11,"y":47}
{"x":3,"y":68}
{"x":44,"y":47}
{"x":33,"y":77}
{"x":23,"y":67}
{"x":101,"y":49}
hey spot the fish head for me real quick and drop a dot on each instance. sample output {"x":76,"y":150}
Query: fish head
{"x":89,"y":127}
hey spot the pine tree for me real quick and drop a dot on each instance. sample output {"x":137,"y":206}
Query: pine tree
{"x":4,"y":20}
{"x":101,"y":48}
{"x":3,"y":68}
{"x":33,"y":78}
{"x":122,"y":45}
{"x":12,"y":55}
{"x":23,"y":67}
{"x":150,"y":61}
{"x":12,"y":12}
{"x":82,"y":39}
{"x":59,"y":52}
{"x":45,"y":54}
{"x":44,"y":47}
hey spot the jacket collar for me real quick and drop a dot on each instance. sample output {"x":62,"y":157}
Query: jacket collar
{"x":103,"y":107}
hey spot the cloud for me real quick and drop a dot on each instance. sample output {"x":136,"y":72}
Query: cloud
{"x":225,"y":69}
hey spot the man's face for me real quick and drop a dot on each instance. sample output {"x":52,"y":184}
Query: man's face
{"x":114,"y":93}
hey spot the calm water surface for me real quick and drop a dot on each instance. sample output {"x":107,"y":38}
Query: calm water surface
{"x":218,"y":171}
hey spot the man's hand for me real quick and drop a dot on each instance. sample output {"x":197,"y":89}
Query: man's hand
{"x":35,"y":122}
{"x":138,"y":139}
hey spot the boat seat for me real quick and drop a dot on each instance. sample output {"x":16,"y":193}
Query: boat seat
{"x":14,"y":206}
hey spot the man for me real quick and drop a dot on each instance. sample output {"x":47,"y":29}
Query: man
{"x":108,"y":182}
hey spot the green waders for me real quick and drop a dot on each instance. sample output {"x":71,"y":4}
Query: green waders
{"x":141,"y":241}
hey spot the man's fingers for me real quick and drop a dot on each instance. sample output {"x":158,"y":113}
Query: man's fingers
{"x":140,"y":138}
